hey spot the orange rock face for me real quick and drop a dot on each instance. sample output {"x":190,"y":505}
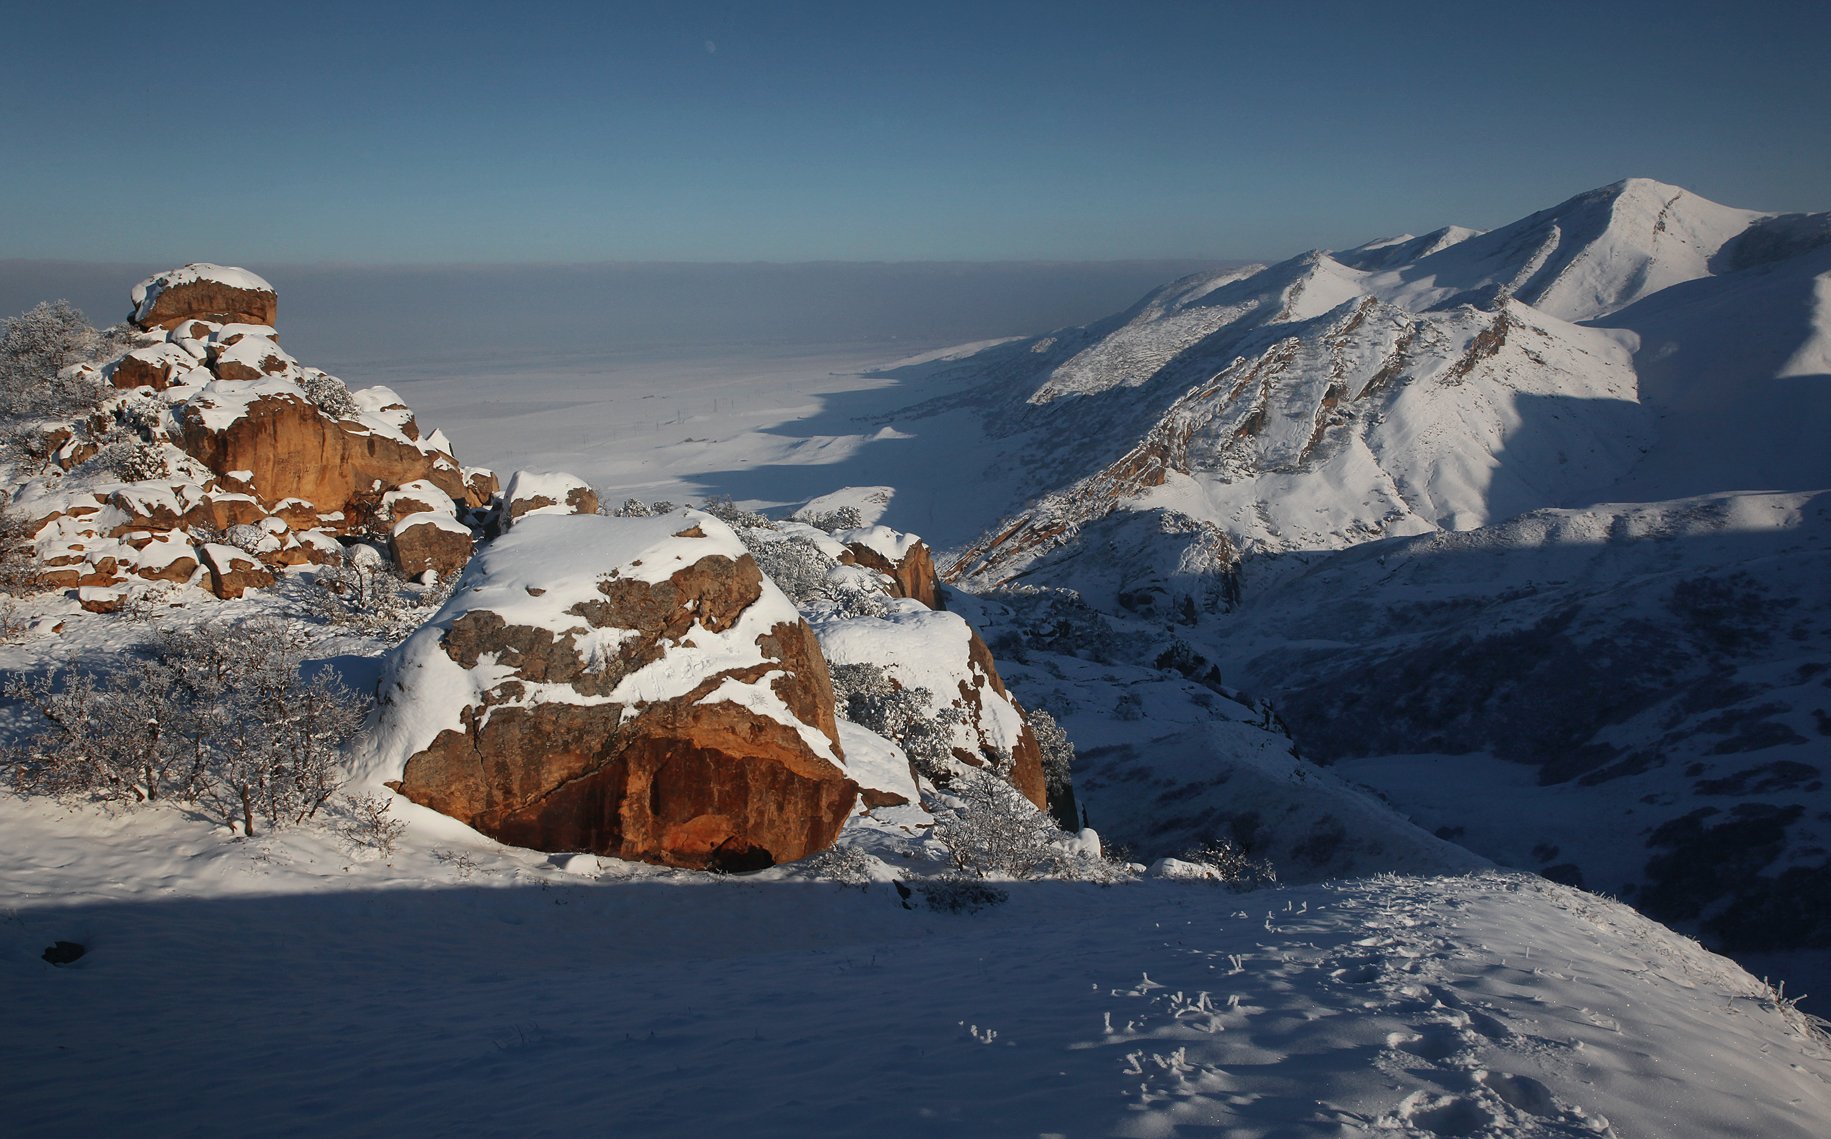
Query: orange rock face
{"x":1026,"y":754}
{"x":914,"y":576}
{"x":296,"y":452}
{"x":736,"y":769}
{"x":151,"y":367}
{"x":208,"y":300}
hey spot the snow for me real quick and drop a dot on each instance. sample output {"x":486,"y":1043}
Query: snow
{"x":869,"y":501}
{"x":875,"y":763}
{"x":892,"y":544}
{"x":307,"y":984}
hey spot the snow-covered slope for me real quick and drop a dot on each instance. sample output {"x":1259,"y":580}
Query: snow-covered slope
{"x":1595,"y":351}
{"x":295,"y":987}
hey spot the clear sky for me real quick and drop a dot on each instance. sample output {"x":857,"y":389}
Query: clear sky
{"x":753,"y":130}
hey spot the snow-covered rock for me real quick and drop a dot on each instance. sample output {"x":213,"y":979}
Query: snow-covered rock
{"x":544,"y":492}
{"x":627,"y":686}
{"x":200,"y":291}
{"x":904,"y":558}
{"x":207,"y":424}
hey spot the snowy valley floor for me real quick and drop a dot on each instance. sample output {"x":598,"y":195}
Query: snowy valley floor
{"x":297,"y":986}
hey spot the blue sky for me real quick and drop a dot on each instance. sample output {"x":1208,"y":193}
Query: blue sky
{"x":467,"y":132}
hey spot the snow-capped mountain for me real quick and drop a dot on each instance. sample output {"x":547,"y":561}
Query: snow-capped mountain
{"x":1415,"y":384}
{"x":1550,"y":495}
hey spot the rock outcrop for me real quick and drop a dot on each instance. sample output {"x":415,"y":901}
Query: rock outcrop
{"x":904,"y":558}
{"x":626,"y":686}
{"x":220,"y":294}
{"x":531,"y":492}
{"x":212,"y":438}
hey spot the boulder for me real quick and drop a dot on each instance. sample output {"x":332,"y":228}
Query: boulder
{"x":430,"y":541}
{"x":543,"y":493}
{"x":417,"y":497}
{"x":622,"y":686}
{"x":481,"y":487}
{"x":152,"y":367}
{"x":100,"y":599}
{"x":232,"y":571}
{"x":220,"y":294}
{"x":904,"y":557}
{"x":247,"y":354}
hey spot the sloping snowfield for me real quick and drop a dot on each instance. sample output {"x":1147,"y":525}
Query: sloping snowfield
{"x":290,"y":987}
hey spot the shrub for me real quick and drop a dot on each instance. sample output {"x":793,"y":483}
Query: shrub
{"x":216,"y":715}
{"x":844,"y":518}
{"x":371,"y":823}
{"x":961,"y":895}
{"x":867,"y":696}
{"x":844,"y":864}
{"x":365,"y":593}
{"x":328,"y":394}
{"x":1058,"y":767}
{"x":731,"y":514}
{"x":37,"y":351}
{"x":795,"y":563}
{"x":1228,"y":863}
{"x":19,"y":569}
{"x":993,"y":831}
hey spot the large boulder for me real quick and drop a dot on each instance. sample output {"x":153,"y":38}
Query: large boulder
{"x":221,"y":294}
{"x":428,"y":542}
{"x":625,"y":686}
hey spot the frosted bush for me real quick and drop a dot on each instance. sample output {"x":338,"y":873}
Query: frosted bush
{"x":731,"y":514}
{"x":372,"y":823}
{"x":140,"y":462}
{"x":329,"y":394}
{"x":244,"y":536}
{"x":844,"y":518}
{"x":797,"y":566}
{"x":365,"y":593}
{"x":1058,"y":765}
{"x":866,"y":695}
{"x":1223,"y":861}
{"x":992,"y":831}
{"x":19,"y":570}
{"x":845,"y":864}
{"x":37,"y":351}
{"x":217,"y":716}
